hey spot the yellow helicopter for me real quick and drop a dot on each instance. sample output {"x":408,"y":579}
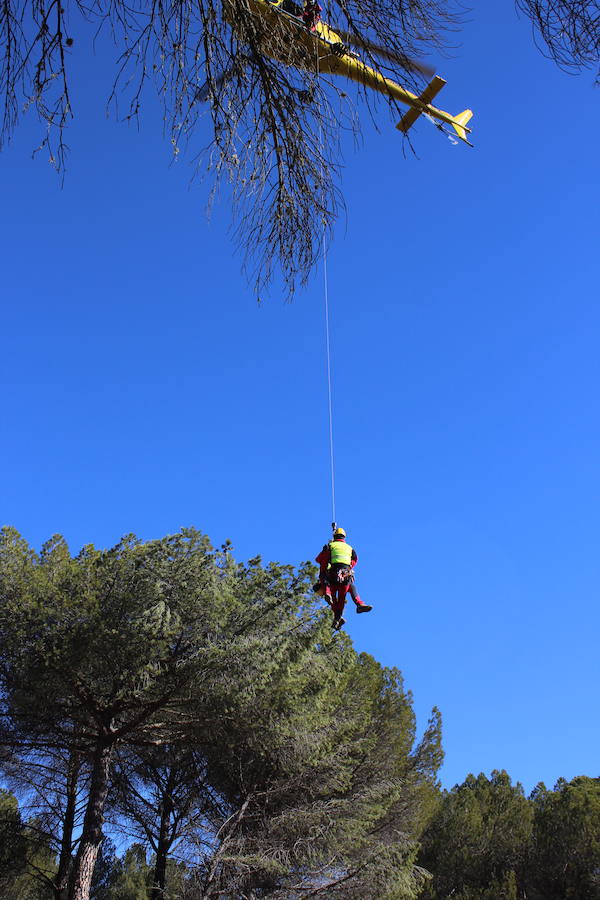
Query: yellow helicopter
{"x":291,"y":36}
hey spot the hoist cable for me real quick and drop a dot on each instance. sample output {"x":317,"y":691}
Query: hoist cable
{"x":329,"y":397}
{"x":327,"y":335}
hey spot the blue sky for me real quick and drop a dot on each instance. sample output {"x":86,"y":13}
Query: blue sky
{"x":145,"y":390}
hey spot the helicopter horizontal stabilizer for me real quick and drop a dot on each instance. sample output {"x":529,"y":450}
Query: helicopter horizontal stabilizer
{"x":409,"y":118}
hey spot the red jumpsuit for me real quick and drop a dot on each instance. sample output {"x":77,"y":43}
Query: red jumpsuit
{"x":335,"y":591}
{"x":311,"y":14}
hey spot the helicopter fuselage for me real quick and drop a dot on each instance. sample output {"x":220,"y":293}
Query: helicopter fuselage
{"x":286,"y":38}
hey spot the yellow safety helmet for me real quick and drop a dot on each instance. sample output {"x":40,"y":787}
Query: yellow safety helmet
{"x":339,"y":532}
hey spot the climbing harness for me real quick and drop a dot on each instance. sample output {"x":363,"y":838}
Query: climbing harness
{"x":344,"y":576}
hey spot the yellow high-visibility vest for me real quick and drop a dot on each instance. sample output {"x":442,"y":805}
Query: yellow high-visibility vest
{"x":341,"y":553}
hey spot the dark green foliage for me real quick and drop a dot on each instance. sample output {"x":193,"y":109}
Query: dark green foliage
{"x":106,"y":649}
{"x":206,"y":709}
{"x":131,"y":876}
{"x":104,"y":871}
{"x":26,"y":863}
{"x":487,"y":841}
{"x":160,"y":795}
{"x":288,"y":762}
{"x":565,"y":854}
{"x":477,"y":842}
{"x":12,"y":841}
{"x":329,"y":790}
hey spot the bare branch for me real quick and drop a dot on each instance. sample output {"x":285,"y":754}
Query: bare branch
{"x":274,"y":122}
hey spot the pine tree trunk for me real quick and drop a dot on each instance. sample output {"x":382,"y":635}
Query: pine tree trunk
{"x":164,"y":842}
{"x":160,"y":874}
{"x":91,"y":835}
{"x":66,"y":844}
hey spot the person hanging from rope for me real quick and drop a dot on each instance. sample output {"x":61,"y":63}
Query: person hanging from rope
{"x":311,"y":14}
{"x":336,"y":577}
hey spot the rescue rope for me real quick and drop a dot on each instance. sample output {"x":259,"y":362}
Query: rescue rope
{"x":330,"y":405}
{"x":327,"y":337}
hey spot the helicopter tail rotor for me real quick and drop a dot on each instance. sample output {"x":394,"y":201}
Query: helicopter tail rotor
{"x":460,"y":121}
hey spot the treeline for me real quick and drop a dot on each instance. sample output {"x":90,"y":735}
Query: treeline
{"x":488,"y":841}
{"x":199,"y":712}
{"x":485,"y":841}
{"x":164,"y":694}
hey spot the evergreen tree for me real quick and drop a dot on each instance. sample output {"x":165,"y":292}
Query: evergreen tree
{"x":565,"y":856}
{"x":51,"y":785}
{"x":477,"y":842}
{"x":160,"y":795}
{"x":12,"y":843}
{"x":104,"y":871}
{"x":138,"y":660}
{"x":112,"y":647}
{"x":323,"y":782}
{"x":27,"y":865}
{"x":131,"y":876}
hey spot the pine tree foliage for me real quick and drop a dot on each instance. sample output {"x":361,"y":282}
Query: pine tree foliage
{"x":299,"y":764}
{"x":203,"y":708}
{"x":130,"y":877}
{"x":328,"y":793}
{"x":12,"y":844}
{"x":565,"y":854}
{"x":27,"y":863}
{"x":160,"y":795}
{"x":487,"y":841}
{"x":51,"y":785}
{"x":476,"y":843}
